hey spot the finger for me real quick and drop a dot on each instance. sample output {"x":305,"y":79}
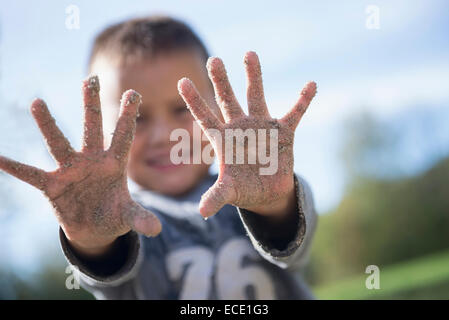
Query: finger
{"x":143,"y":221}
{"x":93,"y":124}
{"x":126,"y":125}
{"x":224,"y":95}
{"x":57,"y":143}
{"x":197,"y":106}
{"x":29,"y":174}
{"x":215,"y":198}
{"x":257,"y":106}
{"x":293,"y":117}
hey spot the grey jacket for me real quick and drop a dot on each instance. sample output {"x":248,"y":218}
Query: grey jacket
{"x":226,"y":257}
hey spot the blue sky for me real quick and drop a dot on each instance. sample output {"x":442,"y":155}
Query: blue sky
{"x":389,"y":72}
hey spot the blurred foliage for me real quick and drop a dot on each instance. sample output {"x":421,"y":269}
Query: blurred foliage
{"x":381,"y":220}
{"x":49,"y":283}
{"x":415,"y":278}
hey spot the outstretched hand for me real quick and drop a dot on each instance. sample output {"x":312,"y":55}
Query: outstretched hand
{"x":88,"y":190}
{"x":243,"y":185}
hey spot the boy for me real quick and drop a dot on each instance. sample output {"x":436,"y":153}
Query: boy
{"x":251,"y":249}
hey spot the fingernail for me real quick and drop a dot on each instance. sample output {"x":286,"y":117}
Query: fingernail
{"x":188,"y":87}
{"x":246,"y":57}
{"x":132,"y":96}
{"x":211,"y":61}
{"x":93,"y":84}
{"x":37,"y":102}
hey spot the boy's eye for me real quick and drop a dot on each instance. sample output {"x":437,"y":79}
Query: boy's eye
{"x":140,"y":119}
{"x":181,"y":109}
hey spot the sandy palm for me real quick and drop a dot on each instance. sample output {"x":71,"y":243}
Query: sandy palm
{"x":242,"y":184}
{"x":88,"y":190}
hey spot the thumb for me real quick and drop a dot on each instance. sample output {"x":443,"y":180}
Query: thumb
{"x":143,"y":221}
{"x":215,"y":198}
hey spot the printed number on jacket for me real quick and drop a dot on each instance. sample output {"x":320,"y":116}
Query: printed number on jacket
{"x":231,"y":278}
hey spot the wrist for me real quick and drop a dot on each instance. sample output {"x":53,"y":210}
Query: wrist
{"x":277,"y":222}
{"x":277,"y":210}
{"x":92,"y":251}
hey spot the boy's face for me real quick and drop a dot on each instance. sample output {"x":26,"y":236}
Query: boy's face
{"x":161,"y":112}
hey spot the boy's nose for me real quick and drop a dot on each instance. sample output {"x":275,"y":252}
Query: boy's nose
{"x":159,"y":134}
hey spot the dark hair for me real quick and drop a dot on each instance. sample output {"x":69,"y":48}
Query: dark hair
{"x":145,"y":37}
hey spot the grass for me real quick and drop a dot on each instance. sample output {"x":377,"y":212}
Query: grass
{"x":423,"y":278}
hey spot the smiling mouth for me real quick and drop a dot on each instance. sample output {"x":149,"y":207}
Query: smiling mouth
{"x":162,"y":164}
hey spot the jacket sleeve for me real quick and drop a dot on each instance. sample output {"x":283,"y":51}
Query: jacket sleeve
{"x":295,"y":254}
{"x":111,"y":279}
